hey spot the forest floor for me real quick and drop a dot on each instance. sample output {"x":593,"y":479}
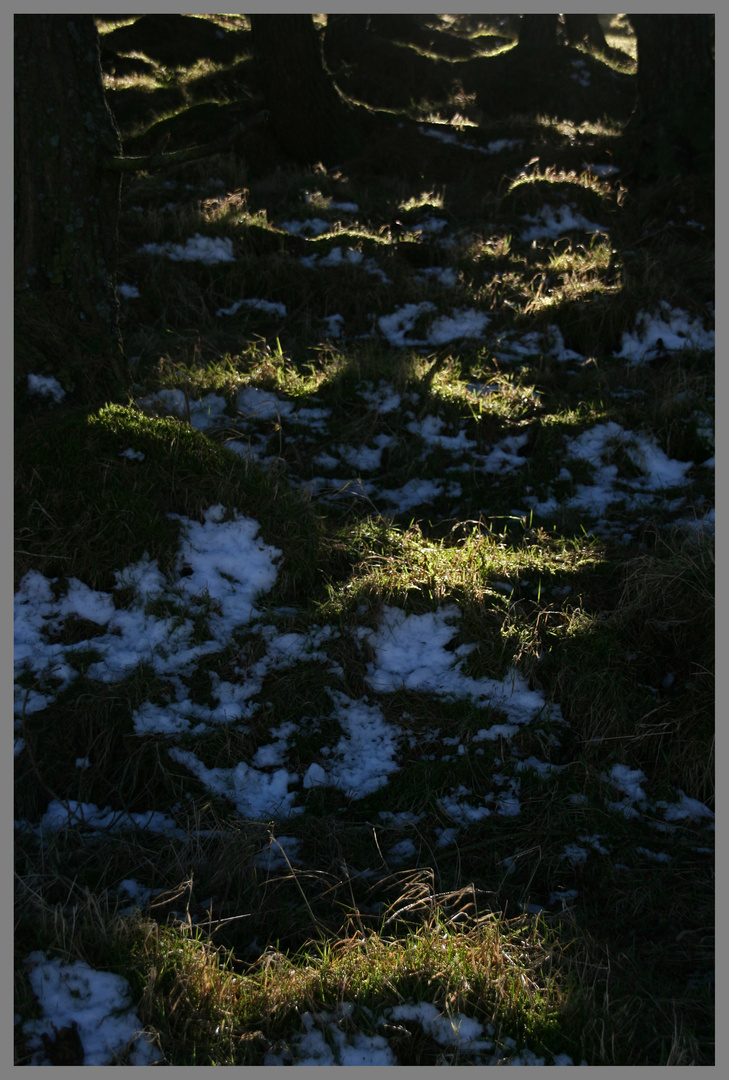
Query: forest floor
{"x":364,"y":661}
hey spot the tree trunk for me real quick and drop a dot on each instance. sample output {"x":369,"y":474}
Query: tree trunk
{"x":398,"y":27}
{"x":311,"y":119}
{"x":586,"y":29}
{"x":538,"y":33}
{"x":672,"y":128}
{"x":66,"y":204}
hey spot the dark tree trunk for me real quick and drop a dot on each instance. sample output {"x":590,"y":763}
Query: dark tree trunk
{"x":66,"y":204}
{"x":397,"y":27}
{"x":349,"y":23}
{"x":672,"y":128}
{"x":538,"y":33}
{"x":345,"y":37}
{"x":311,"y":119}
{"x":586,"y":29}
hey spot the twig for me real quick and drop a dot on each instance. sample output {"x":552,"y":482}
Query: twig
{"x":158,"y":160}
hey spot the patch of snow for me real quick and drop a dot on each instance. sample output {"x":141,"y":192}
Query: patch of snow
{"x":444,"y":276}
{"x":414,"y":493}
{"x":411,"y":653}
{"x":666,"y":330}
{"x":461,"y":324}
{"x":45,"y":386}
{"x":313,"y":226}
{"x":552,"y":222}
{"x":351,"y":257}
{"x":278,"y":854}
{"x":601,"y":170}
{"x":99,"y":1003}
{"x":384,"y":399}
{"x":257,"y":795}
{"x":262,"y":404}
{"x":204,"y":249}
{"x":333,"y":326}
{"x":324,"y":1042}
{"x":366,"y":755}
{"x":68,"y":814}
{"x":271,"y":307}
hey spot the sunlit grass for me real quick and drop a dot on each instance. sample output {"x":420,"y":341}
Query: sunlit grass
{"x":225,"y":957}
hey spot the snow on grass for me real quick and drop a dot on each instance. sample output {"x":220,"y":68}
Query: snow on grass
{"x":333,"y":325}
{"x":601,"y":170}
{"x":551,"y":223}
{"x":63,"y":815}
{"x":656,"y":856}
{"x":257,"y":795}
{"x":413,"y":493}
{"x":580,"y":73}
{"x":628,"y":781}
{"x":496,"y":146}
{"x":429,"y":224}
{"x":279,"y":854}
{"x":445,"y":276}
{"x":328,"y":1039}
{"x":323,"y":1042}
{"x":686,"y":809}
{"x":366,"y":755}
{"x":271,"y":307}
{"x":228,"y":567}
{"x":411,"y":653}
{"x":204,"y":413}
{"x":262,"y":404}
{"x":504,"y":456}
{"x":458,"y":1030}
{"x":659,"y":471}
{"x":365,"y":458}
{"x":548,"y":342}
{"x":312,"y":226}
{"x":98,"y":1004}
{"x":45,"y":386}
{"x":212,"y":551}
{"x":336,"y":258}
{"x":204,"y":249}
{"x":383,"y":398}
{"x":461,"y":324}
{"x":598,"y":446}
{"x":430,"y":429}
{"x":666,"y":330}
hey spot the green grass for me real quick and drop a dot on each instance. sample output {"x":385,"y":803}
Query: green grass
{"x":617,"y":632}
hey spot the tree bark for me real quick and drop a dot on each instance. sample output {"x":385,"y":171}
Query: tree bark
{"x":538,"y":33}
{"x":586,"y":29}
{"x":66,"y":203}
{"x":397,"y":27}
{"x":311,"y":119}
{"x":672,"y":128}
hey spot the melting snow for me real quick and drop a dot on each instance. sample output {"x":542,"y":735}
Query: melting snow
{"x":461,"y":324}
{"x":204,"y":249}
{"x":666,"y":330}
{"x":552,"y":223}
{"x":99,"y":1003}
{"x":45,"y":386}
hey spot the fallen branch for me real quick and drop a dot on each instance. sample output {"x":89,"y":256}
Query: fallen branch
{"x":159,"y":160}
